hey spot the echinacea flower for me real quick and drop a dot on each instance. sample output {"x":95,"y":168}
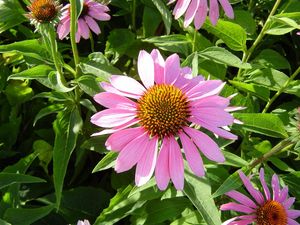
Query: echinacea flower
{"x":196,"y":10}
{"x":43,"y":11}
{"x":273,"y":209}
{"x":85,"y":222}
{"x":91,"y":12}
{"x":163,"y":108}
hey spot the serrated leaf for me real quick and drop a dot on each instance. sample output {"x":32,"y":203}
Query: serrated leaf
{"x":223,"y":56}
{"x":267,"y":124}
{"x":7,"y":179}
{"x":198,"y":191}
{"x":233,"y":35}
{"x":66,"y":127}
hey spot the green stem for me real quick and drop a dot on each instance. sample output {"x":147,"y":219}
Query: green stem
{"x":276,"y":149}
{"x":261,"y":35}
{"x":53,"y":45}
{"x":194,"y":40}
{"x":73,"y":23}
{"x":282,"y":89}
{"x":133,"y":15}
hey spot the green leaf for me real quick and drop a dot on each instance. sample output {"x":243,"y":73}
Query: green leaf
{"x":245,"y":20}
{"x":259,"y":91}
{"x":44,"y":152}
{"x":37,"y":72}
{"x":67,"y":126}
{"x":221,"y":55}
{"x":27,"y":216}
{"x":89,"y":85}
{"x":56,"y":81}
{"x":2,"y":222}
{"x":189,"y":218}
{"x":165,"y":13}
{"x":233,"y":35}
{"x":55,"y":108}
{"x":173,"y":43}
{"x":198,"y":191}
{"x":108,"y":161}
{"x":281,"y":25}
{"x":234,"y":160}
{"x":272,"y":59}
{"x":266,"y":124}
{"x":18,"y":92}
{"x":7,"y":179}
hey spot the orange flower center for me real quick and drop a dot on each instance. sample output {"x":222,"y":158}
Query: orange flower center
{"x":271,"y":213}
{"x":43,"y":10}
{"x":163,"y":110}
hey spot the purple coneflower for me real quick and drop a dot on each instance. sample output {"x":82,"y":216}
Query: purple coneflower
{"x":91,"y":12}
{"x":273,"y":209}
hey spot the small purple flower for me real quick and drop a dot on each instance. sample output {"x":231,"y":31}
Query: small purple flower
{"x":91,"y":12}
{"x":273,"y":209}
{"x":196,"y":10}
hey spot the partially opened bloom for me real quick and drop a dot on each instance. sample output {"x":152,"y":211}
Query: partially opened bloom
{"x":91,"y":12}
{"x":84,"y":222}
{"x":43,"y":11}
{"x":196,"y":10}
{"x":162,"y":109}
{"x":270,"y":209}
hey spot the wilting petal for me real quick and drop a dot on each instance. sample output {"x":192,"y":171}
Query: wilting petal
{"x":146,"y":164}
{"x":162,"y":174}
{"x":146,"y":68}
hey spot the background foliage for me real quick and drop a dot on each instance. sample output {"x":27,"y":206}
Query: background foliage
{"x":54,"y":172}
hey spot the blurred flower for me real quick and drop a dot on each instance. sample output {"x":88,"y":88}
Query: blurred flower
{"x":165,"y":106}
{"x":91,"y":12}
{"x":294,"y":129}
{"x":43,"y":11}
{"x":196,"y":10}
{"x":85,"y":222}
{"x":262,"y":211}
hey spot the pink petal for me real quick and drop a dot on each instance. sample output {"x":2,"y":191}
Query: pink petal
{"x":118,"y":128}
{"x":288,"y":203}
{"x":236,"y":207}
{"x":263,"y":183}
{"x":109,"y":88}
{"x":132,"y":153}
{"x":118,"y":140}
{"x":211,"y":101}
{"x":162,"y":174}
{"x":190,"y":13}
{"x":205,"y":89}
{"x":220,"y":132}
{"x":146,"y":68}
{"x":283,"y":194}
{"x":227,"y":8}
{"x":241,"y":198}
{"x":214,"y":11}
{"x":63,"y":29}
{"x":127,"y":84}
{"x":111,"y":100}
{"x":275,"y":187}
{"x":98,"y":14}
{"x":92,"y":24}
{"x":293,"y":214}
{"x":176,"y":167}
{"x":180,"y":8}
{"x":200,"y":15}
{"x":84,"y":29}
{"x":292,"y":222}
{"x":159,"y":65}
{"x":112,"y":117}
{"x":206,"y":145}
{"x":172,"y":69}
{"x":255,"y":193}
{"x":146,"y":164}
{"x":192,"y":155}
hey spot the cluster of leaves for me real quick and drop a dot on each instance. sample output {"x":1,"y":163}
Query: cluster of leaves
{"x":53,"y":172}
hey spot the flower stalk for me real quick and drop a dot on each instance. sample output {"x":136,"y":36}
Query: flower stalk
{"x":73,"y":28}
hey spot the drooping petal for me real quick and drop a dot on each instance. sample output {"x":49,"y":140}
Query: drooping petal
{"x":92,"y":24}
{"x":118,"y":140}
{"x":127,"y":84}
{"x":263,"y":183}
{"x":241,"y":198}
{"x":172,"y":69}
{"x":180,"y":8}
{"x":255,"y":193}
{"x":293,"y":214}
{"x":63,"y":29}
{"x":146,"y":68}
{"x":200,"y":14}
{"x":111,"y":100}
{"x":176,"y":167}
{"x":237,"y":207}
{"x":192,"y":155}
{"x":227,"y":8}
{"x":206,"y":145}
{"x":159,"y":66}
{"x":132,"y":153}
{"x":84,"y":29}
{"x":112,"y":117}
{"x":98,"y":14}
{"x":162,"y":174}
{"x":190,"y":13}
{"x":145,"y":166}
{"x":213,"y":11}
